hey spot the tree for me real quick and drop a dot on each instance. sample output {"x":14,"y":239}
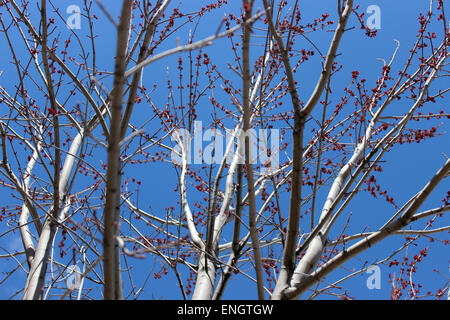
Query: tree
{"x":86,"y":134}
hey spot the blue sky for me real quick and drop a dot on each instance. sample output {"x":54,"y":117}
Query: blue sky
{"x":408,"y":167}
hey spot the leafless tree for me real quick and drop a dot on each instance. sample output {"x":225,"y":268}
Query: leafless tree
{"x":84,"y":133}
